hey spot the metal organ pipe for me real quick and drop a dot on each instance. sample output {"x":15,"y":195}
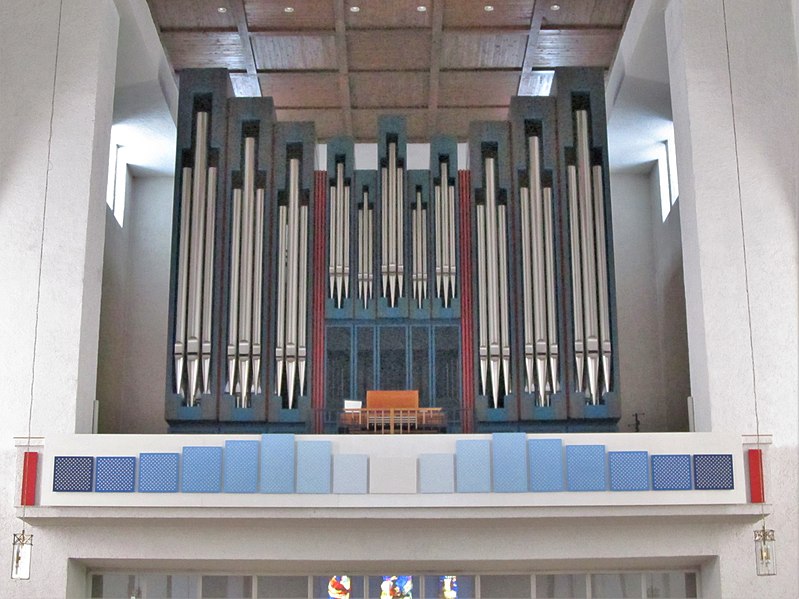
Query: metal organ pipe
{"x":183,"y":281}
{"x":192,"y":349}
{"x":246,"y":278}
{"x":602,"y":277}
{"x":538,"y":297}
{"x":291,"y":341}
{"x":392,"y":203}
{"x":493,"y":284}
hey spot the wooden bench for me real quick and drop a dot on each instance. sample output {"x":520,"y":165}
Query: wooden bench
{"x":393,"y":411}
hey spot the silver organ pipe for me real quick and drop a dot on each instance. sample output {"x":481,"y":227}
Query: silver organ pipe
{"x":602,"y":277}
{"x":588,"y":255}
{"x":292,"y":293}
{"x":280,"y":317}
{"x":453,"y":269}
{"x":183,"y":282}
{"x":439,"y":245}
{"x":538,"y":294}
{"x":246,"y":277}
{"x":192,"y":350}
{"x":493,"y":296}
{"x":339,"y":250}
{"x":577,"y":277}
{"x":482,"y":298}
{"x":365,"y":250}
{"x":444,"y":239}
{"x":446,"y":268}
{"x":384,"y":232}
{"x":392,"y":203}
{"x":552,"y":326}
{"x":419,"y":234}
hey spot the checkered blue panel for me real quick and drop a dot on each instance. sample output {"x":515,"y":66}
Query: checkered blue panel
{"x":473,"y":466}
{"x":313,"y":466}
{"x":158,"y":472}
{"x":115,"y":474}
{"x":350,"y":473}
{"x":713,"y":472}
{"x":436,"y":473}
{"x":241,"y":466}
{"x":277,"y":463}
{"x":73,"y":474}
{"x":509,"y":462}
{"x":202,"y":470}
{"x":671,"y":472}
{"x":629,"y":470}
{"x":546,"y":464}
{"x":585,"y":468}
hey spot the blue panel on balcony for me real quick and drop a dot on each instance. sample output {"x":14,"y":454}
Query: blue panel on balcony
{"x":277,"y":463}
{"x":509,"y":462}
{"x":713,"y":472}
{"x":629,"y":470}
{"x":671,"y":472}
{"x":546,"y":464}
{"x":73,"y":474}
{"x":202,"y":470}
{"x":436,"y":473}
{"x":473,"y":466}
{"x":313,"y":466}
{"x":241,"y":466}
{"x":158,"y":472}
{"x":585,"y":467}
{"x":350,"y":474}
{"x":115,"y":475}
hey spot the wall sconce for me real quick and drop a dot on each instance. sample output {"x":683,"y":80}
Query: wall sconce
{"x":22,"y":547}
{"x":765,"y":552}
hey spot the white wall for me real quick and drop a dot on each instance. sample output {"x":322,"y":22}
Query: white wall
{"x":133,"y":353}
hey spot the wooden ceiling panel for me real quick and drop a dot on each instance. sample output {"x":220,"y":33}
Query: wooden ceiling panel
{"x":468,"y":14}
{"x":483,"y":51}
{"x":364,"y":123}
{"x":329,"y":123}
{"x":483,"y":88}
{"x":191,"y":14}
{"x":389,"y":90}
{"x":456,"y":121}
{"x":295,"y":52}
{"x":269,"y":15}
{"x":393,"y":50}
{"x":301,"y":90}
{"x":603,"y":13}
{"x":195,"y":50}
{"x":583,"y":47}
{"x":397,"y":14}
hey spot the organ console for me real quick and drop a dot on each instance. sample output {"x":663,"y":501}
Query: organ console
{"x":488,"y":289}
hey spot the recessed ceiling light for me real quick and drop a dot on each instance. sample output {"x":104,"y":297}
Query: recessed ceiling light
{"x":555,"y":7}
{"x":421,"y":8}
{"x":488,"y":8}
{"x":289,"y":9}
{"x":221,"y":10}
{"x":355,"y":9}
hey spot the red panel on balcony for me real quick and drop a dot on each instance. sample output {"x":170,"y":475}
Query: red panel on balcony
{"x":30,"y":465}
{"x":757,"y":489}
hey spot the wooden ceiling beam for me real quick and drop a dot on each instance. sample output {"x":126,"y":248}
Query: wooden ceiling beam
{"x":240,"y":17}
{"x":437,"y":24}
{"x":532,"y":39}
{"x":343,"y":65}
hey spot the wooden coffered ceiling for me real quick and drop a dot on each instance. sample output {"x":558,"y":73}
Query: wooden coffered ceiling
{"x":455,"y":62}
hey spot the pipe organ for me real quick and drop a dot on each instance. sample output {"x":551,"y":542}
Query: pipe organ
{"x":296,"y":286}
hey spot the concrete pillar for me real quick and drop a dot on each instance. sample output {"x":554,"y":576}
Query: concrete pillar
{"x":736,"y":129}
{"x":66,"y":238}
